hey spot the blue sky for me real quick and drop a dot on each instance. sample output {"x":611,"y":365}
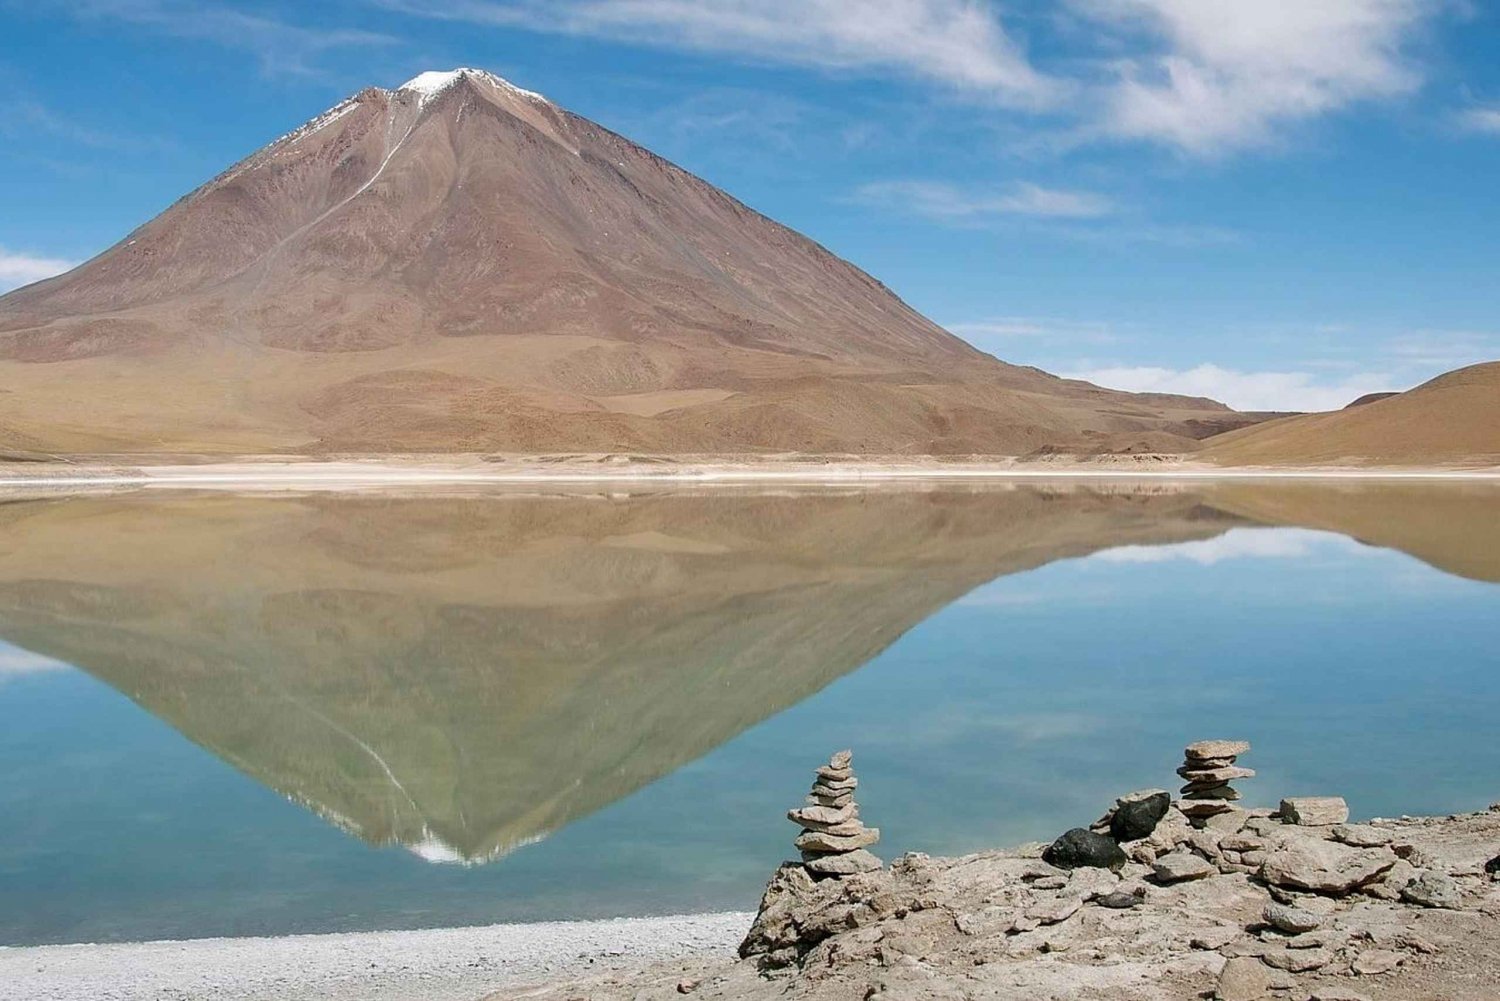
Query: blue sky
{"x":1280,"y":203}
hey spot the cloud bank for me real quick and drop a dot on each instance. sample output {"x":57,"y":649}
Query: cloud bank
{"x":17,"y":269}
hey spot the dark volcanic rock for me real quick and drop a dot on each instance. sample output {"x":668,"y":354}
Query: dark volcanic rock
{"x":1081,"y":848}
{"x":1136,"y":819}
{"x":1493,"y":865}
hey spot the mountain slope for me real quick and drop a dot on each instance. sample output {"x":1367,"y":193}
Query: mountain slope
{"x":1454,"y":418}
{"x":460,"y":265}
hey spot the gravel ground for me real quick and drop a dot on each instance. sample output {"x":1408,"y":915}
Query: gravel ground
{"x":455,"y":964}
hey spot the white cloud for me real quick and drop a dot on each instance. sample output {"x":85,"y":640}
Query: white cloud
{"x":15,"y":662}
{"x":1243,"y":390}
{"x":1235,"y":544}
{"x":1005,"y":330}
{"x":960,"y":43}
{"x":951,"y":203}
{"x":22,"y":269}
{"x":1481,"y":119}
{"x":280,"y":47}
{"x":1228,"y":73}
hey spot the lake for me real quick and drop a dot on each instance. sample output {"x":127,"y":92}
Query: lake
{"x":227,"y":715}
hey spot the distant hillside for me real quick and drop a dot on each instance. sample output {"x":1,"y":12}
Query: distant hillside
{"x":459,"y":265}
{"x":1455,"y":418}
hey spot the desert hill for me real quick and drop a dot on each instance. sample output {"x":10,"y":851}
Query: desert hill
{"x":1454,"y":418}
{"x":459,"y":265}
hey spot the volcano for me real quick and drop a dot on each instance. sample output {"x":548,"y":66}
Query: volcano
{"x":460,"y":265}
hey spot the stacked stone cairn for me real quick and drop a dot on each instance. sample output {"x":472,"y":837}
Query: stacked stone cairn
{"x":1208,"y":767}
{"x":834,"y":841}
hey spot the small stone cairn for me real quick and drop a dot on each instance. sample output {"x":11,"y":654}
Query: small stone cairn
{"x":1209,"y":766}
{"x":834,"y":840}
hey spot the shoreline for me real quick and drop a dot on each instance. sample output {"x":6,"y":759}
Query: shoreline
{"x":443,"y":964}
{"x":346,"y":473}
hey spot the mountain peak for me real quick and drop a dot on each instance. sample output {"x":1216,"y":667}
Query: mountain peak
{"x":433,"y":82}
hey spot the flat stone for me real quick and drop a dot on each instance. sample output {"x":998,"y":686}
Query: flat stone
{"x":1136,"y":816}
{"x":1216,"y":749}
{"x":827,"y":774}
{"x":841,"y":759}
{"x":1361,"y":835}
{"x":830,"y":787}
{"x":1433,"y":889}
{"x":1051,"y":882}
{"x":1051,"y":912}
{"x":817,"y":841}
{"x":1337,"y":994}
{"x":1243,"y":979}
{"x":1297,"y":960}
{"x":818,"y":817}
{"x":1230,"y":821}
{"x":1089,"y":883}
{"x":1177,"y":867}
{"x":1080,"y":848}
{"x":1227,"y":773}
{"x":841,"y":800}
{"x":1204,"y":807}
{"x":1292,"y":920}
{"x":1314,"y":811}
{"x":1118,"y":901}
{"x":1324,"y":866}
{"x":1374,"y":962}
{"x":846,"y":864}
{"x":1223,"y":792}
{"x":1215,"y":938}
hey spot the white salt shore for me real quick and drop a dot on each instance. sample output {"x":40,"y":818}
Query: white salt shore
{"x":450,"y":964}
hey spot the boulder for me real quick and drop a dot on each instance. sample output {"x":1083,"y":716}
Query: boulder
{"x":1292,"y":920}
{"x":1081,"y":848}
{"x":1137,"y":815}
{"x":1314,"y":811}
{"x":1243,"y":979}
{"x":1324,"y":866}
{"x":1433,"y":889}
{"x":1179,"y":867}
{"x":1493,"y":866}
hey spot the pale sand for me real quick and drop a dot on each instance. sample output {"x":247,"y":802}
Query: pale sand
{"x":451,"y":964}
{"x":274,"y":473}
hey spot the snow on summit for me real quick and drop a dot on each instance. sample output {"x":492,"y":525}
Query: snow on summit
{"x":433,"y":82}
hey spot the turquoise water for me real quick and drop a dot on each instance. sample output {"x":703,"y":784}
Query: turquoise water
{"x":254,"y":716}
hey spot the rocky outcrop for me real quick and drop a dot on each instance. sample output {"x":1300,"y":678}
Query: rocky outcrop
{"x":1247,"y":907}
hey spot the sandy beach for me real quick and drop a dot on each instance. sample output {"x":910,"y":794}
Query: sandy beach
{"x":450,"y":964}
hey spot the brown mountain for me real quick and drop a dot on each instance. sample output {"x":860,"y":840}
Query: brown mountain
{"x":461,"y":265}
{"x":1454,"y":419}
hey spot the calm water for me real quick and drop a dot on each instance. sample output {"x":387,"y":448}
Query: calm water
{"x":242,"y":715}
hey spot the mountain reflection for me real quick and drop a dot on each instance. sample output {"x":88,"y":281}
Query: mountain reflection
{"x":464,"y":673}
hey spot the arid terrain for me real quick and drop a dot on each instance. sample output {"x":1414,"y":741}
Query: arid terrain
{"x":1454,"y":418}
{"x":462,"y":266}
